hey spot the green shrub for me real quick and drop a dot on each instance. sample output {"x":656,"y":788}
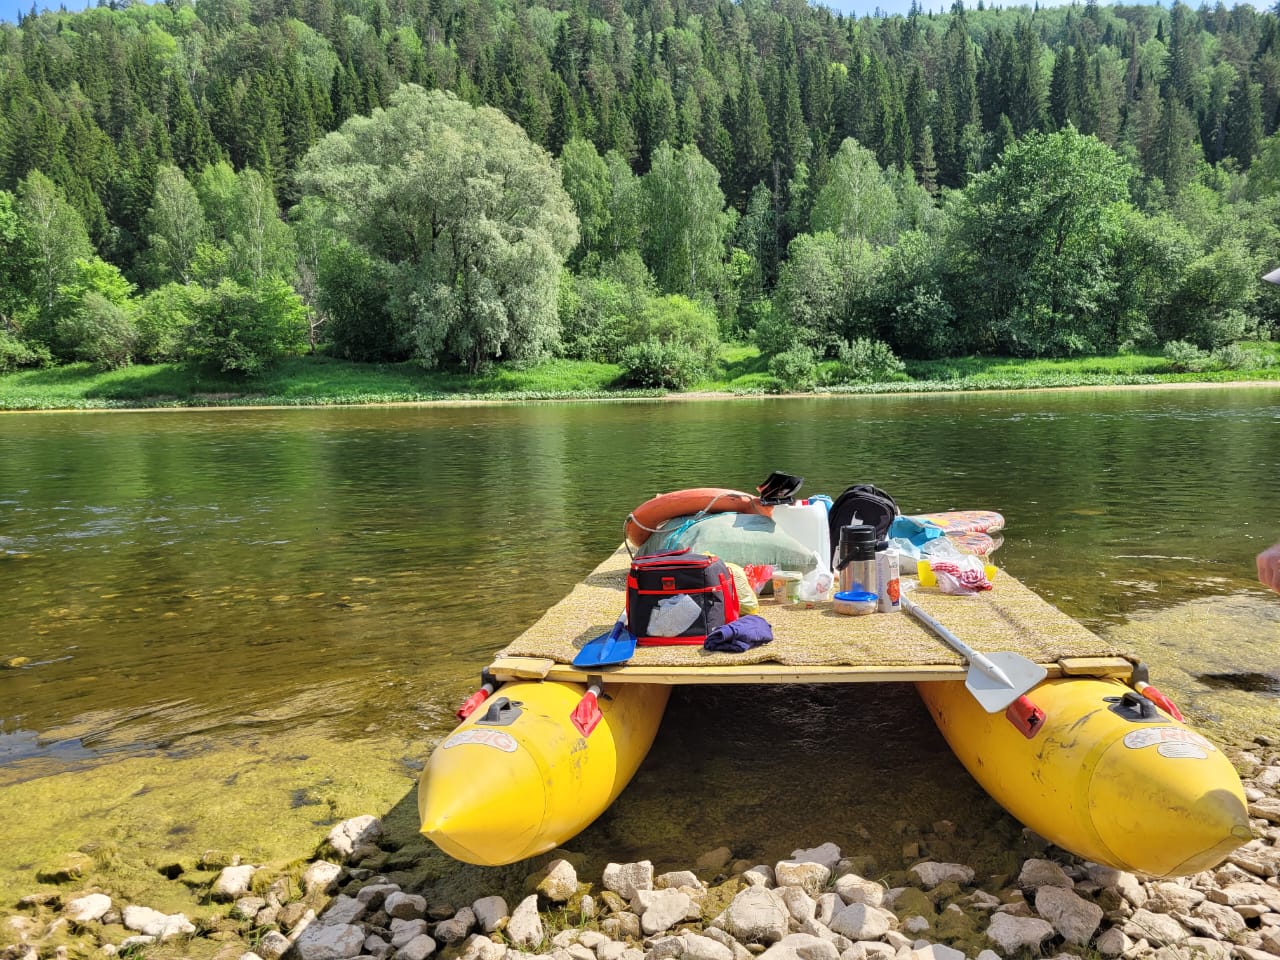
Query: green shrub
{"x":924,"y":324}
{"x":241,"y":330}
{"x":1234,"y":356}
{"x":16,"y":353}
{"x":100,"y":332}
{"x":163,"y":322}
{"x":868,"y":361}
{"x":652,"y":363}
{"x":675,"y":319}
{"x":795,"y":369}
{"x":774,"y":334}
{"x":1185,"y":357}
{"x":353,"y":292}
{"x":595,"y":316}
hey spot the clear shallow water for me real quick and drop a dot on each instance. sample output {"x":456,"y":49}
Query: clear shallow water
{"x":174,"y":581}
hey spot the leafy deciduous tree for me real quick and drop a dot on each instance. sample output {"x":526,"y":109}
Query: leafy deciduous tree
{"x":1034,"y":237}
{"x":176,"y":225}
{"x":684,"y":243}
{"x":468,"y":216}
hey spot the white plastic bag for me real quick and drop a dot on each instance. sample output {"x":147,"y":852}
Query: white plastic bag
{"x":960,"y":576}
{"x":816,"y":584}
{"x":673,"y":616}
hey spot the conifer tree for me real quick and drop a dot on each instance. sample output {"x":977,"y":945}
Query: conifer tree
{"x":752,"y":143}
{"x":1027,"y":93}
{"x":1244,"y":122}
{"x":1175,"y":152}
{"x":1062,"y":95}
{"x":926,"y":164}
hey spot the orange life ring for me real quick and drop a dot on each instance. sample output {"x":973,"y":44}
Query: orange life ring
{"x":646,"y":518}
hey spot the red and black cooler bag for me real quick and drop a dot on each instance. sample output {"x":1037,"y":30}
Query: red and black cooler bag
{"x":660,"y":588}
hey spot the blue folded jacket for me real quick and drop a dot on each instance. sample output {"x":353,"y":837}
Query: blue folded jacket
{"x":739,"y":635}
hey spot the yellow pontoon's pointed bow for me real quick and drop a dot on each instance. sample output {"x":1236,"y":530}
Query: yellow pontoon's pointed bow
{"x":1165,"y":781}
{"x":517,"y":778}
{"x":1109,"y":778}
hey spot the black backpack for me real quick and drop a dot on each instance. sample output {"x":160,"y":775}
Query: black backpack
{"x":862,"y":503}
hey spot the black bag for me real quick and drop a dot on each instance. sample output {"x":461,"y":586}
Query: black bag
{"x":862,"y":503}
{"x":703,"y":579}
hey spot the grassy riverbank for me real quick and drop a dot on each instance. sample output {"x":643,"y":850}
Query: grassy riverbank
{"x":322,"y":381}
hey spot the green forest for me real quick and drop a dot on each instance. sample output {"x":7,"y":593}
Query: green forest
{"x":468,"y":183}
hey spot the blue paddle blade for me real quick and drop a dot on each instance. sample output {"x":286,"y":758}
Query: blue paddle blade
{"x":616,"y":646}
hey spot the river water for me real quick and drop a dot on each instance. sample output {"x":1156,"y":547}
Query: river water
{"x":176,"y":585}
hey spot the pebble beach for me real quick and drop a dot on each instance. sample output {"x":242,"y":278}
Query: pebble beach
{"x":356,"y":895}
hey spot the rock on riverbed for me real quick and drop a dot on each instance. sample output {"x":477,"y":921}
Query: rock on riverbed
{"x":820,"y":903}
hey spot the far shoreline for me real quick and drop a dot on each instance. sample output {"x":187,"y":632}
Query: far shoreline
{"x":688,"y":396}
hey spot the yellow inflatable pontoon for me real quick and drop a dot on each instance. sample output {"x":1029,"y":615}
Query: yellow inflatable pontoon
{"x":518,"y":778}
{"x":1104,"y":774}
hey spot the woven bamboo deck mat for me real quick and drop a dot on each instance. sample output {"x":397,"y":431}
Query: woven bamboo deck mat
{"x":1008,"y":617}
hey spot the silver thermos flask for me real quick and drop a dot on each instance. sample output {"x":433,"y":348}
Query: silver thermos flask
{"x":857,"y":558}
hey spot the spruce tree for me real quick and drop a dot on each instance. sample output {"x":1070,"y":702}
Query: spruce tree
{"x":1244,"y":122}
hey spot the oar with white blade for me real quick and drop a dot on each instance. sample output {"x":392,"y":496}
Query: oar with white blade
{"x":994,"y":679}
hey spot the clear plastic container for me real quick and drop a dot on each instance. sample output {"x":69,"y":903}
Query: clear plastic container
{"x":854,"y":602}
{"x":786,"y":586}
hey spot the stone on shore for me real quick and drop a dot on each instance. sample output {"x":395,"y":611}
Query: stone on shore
{"x":828,"y":854}
{"x":153,"y":923}
{"x":344,"y":910}
{"x":660,"y":910}
{"x":480,"y":947}
{"x":491,"y":913}
{"x":404,"y":906}
{"x":459,"y":927}
{"x":402,"y":931}
{"x":810,"y":869}
{"x":1113,"y":943}
{"x":801,"y":946}
{"x":861,"y":921}
{"x":274,"y":945}
{"x":852,"y":888}
{"x":929,"y":874}
{"x":330,"y":941}
{"x":1266,"y":809}
{"x":419,"y":948}
{"x":375,"y":894}
{"x":524,"y":929}
{"x":559,"y":881}
{"x":1038,"y":873}
{"x":321,"y":877}
{"x":676,"y":879}
{"x":1074,"y":917}
{"x":1159,"y":929}
{"x":799,"y":904}
{"x":1012,"y":934}
{"x":349,"y":834}
{"x":248,"y":908}
{"x":87,"y":909}
{"x":698,"y":947}
{"x":233,"y":882}
{"x":806,"y":875}
{"x":625,"y":879}
{"x":755,"y":916}
{"x":935,"y":951}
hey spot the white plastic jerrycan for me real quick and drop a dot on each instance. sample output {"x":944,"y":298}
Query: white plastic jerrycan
{"x":805,"y":521}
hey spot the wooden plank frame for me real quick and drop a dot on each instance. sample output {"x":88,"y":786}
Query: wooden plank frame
{"x":539,"y":668}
